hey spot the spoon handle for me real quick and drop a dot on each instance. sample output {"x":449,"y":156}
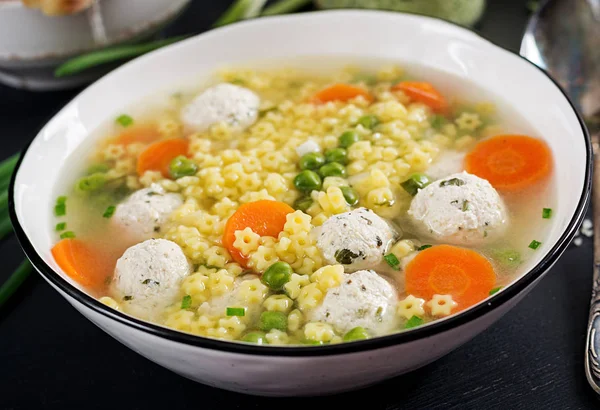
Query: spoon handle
{"x":592,"y":345}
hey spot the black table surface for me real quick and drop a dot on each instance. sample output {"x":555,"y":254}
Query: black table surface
{"x":52,"y":357}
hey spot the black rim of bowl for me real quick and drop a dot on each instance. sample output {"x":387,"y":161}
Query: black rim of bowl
{"x":428,"y":330}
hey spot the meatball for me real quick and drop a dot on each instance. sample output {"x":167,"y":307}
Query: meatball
{"x":235,"y":105}
{"x":363,"y":299}
{"x":148,"y":275}
{"x":460,"y":209}
{"x":357,"y":239}
{"x":145,"y":211}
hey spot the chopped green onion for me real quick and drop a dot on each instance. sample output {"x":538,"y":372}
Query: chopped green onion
{"x":534,"y":244}
{"x":109,"y":211}
{"x":91,"y":183}
{"x":413,"y":322}
{"x":495,"y":290}
{"x":186,"y":302}
{"x":392,"y":260}
{"x":181,"y":167}
{"x":61,"y":226}
{"x":414,"y":183}
{"x":233,"y":311}
{"x":60,"y":209}
{"x":547,"y":213}
{"x":124,"y":120}
{"x":67,"y":235}
{"x":422,"y":248}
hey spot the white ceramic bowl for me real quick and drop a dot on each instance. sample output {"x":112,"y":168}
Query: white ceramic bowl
{"x":281,"y":371}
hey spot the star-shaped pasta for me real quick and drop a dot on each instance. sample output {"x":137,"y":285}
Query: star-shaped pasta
{"x":468,"y":121}
{"x":411,"y":306}
{"x":441,"y":305}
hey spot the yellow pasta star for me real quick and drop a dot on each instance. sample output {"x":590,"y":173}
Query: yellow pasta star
{"x":411,"y":306}
{"x":441,"y":305}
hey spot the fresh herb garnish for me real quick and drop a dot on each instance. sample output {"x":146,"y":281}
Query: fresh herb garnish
{"x":109,"y":211}
{"x":236,"y":311}
{"x":465,"y":206}
{"x":534,"y":244}
{"x":128,"y":297}
{"x":495,"y":290}
{"x":345,"y":256}
{"x":124,"y":120}
{"x":423,"y":247}
{"x":414,"y":183}
{"x":186,"y":302}
{"x":61,"y":226}
{"x":66,"y":235}
{"x":452,"y":181}
{"x":150,"y":282}
{"x":413,"y":322}
{"x":392,"y":260}
{"x":60,"y":209}
{"x":547,"y":213}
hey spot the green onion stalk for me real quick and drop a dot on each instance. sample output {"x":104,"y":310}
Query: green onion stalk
{"x":22,"y":272}
{"x":239,"y":10}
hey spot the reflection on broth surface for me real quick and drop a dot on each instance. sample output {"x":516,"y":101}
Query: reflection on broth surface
{"x":285,"y":207}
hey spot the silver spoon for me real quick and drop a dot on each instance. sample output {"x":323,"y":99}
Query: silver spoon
{"x":563,"y":38}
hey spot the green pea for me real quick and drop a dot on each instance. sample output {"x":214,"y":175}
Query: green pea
{"x":358,"y":333}
{"x":277,"y":275}
{"x":181,"y":167}
{"x":273,"y":320}
{"x":255,"y":337}
{"x":302,"y":204}
{"x":368,"y":121}
{"x":337,"y":155}
{"x":348,"y":138}
{"x":91,"y":183}
{"x":312,"y":160}
{"x":307,"y":181}
{"x":333,"y":169}
{"x":350,"y":195}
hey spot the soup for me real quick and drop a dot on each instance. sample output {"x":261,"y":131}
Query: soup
{"x":284,"y":207}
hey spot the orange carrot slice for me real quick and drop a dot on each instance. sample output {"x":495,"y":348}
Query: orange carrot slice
{"x":265,"y":218}
{"x":510,"y":162}
{"x":424,"y":93}
{"x":449,"y":270}
{"x":84,"y":264}
{"x":158,"y":156}
{"x":144,"y":134}
{"x":341,"y":92}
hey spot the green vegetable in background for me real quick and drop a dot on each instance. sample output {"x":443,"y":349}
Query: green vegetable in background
{"x":464,"y":12}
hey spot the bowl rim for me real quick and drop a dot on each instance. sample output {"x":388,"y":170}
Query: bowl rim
{"x":379,"y":342}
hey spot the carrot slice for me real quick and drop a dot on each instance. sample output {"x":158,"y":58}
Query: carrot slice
{"x":424,"y":93}
{"x":449,"y":270}
{"x":84,"y":264}
{"x":341,"y":92}
{"x":510,"y":162}
{"x":144,"y":134}
{"x":265,"y":218}
{"x":158,"y":156}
